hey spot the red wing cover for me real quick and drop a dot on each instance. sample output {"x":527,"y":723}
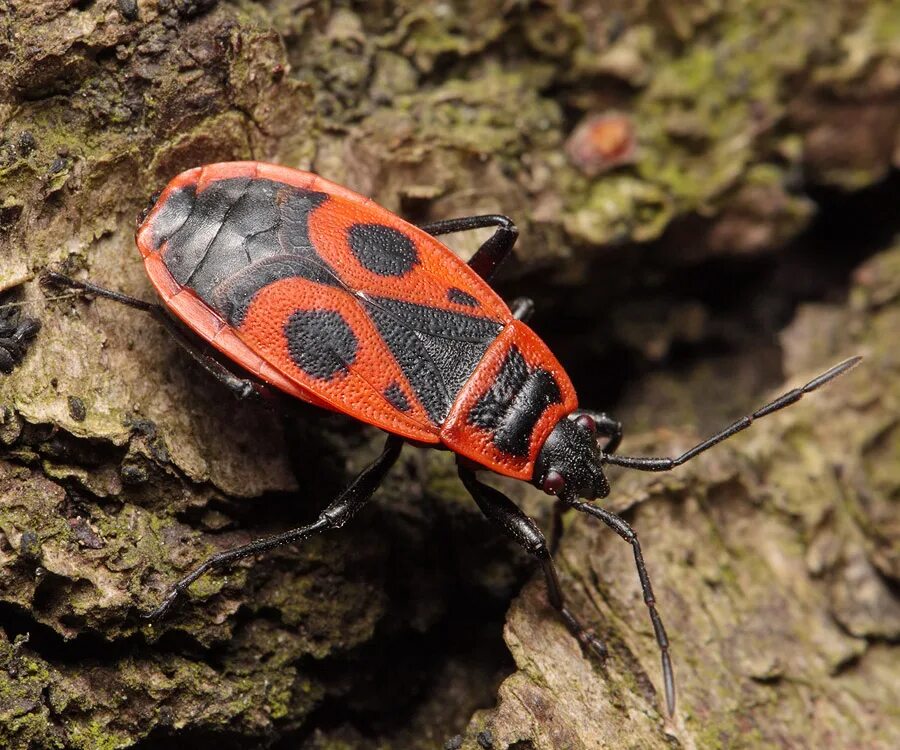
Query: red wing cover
{"x":321,"y":292}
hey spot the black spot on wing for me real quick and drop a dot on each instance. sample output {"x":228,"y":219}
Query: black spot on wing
{"x":321,"y":342}
{"x":396,"y":397}
{"x":514,"y":403}
{"x":437,"y":350}
{"x":461,"y":298}
{"x":382,"y":250}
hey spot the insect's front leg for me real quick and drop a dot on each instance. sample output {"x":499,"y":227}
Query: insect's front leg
{"x":510,"y":518}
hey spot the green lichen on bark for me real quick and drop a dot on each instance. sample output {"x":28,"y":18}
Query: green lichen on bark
{"x":770,"y":557}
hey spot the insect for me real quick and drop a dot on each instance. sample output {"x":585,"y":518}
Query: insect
{"x":15,"y":333}
{"x":310,"y":288}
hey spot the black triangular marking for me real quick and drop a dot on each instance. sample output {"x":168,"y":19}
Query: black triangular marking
{"x":437,"y":350}
{"x":461,"y":298}
{"x":396,"y":397}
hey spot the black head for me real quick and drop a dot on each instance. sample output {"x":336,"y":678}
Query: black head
{"x":569,"y":462}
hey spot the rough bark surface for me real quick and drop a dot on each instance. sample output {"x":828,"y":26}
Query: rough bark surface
{"x":683,"y":174}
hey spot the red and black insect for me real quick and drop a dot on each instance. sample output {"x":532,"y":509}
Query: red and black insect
{"x":313,"y":289}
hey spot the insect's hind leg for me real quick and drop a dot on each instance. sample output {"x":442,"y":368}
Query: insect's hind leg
{"x":493,"y":251}
{"x":61,"y":281}
{"x":241,"y":387}
{"x":509,"y":517}
{"x":338,"y":512}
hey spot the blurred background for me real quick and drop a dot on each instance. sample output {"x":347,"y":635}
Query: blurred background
{"x":707,"y":195}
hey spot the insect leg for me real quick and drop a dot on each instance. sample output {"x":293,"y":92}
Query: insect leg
{"x":52,"y":278}
{"x":624,"y":530}
{"x":522,"y":308}
{"x":338,"y":512}
{"x":646,"y":463}
{"x":509,"y":517}
{"x":494,"y":250}
{"x":242,"y":387}
{"x":556,"y":524}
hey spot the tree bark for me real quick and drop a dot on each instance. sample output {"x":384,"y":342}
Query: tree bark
{"x":673,"y":169}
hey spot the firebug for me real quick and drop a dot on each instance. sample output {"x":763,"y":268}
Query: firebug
{"x":310,"y":288}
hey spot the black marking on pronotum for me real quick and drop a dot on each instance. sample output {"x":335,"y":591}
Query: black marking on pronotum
{"x":237,"y":236}
{"x":321,"y":342}
{"x":461,"y":298}
{"x":396,"y":397}
{"x":382,"y":249}
{"x":437,"y":350}
{"x":513,"y":404}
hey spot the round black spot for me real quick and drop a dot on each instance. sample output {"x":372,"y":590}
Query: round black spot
{"x":461,"y":298}
{"x":320,"y":342}
{"x":382,"y":250}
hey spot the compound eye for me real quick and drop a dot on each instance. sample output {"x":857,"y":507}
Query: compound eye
{"x":554,"y":482}
{"x":587,"y":422}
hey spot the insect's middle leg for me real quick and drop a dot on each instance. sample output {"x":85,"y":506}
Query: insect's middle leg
{"x":493,"y":251}
{"x":509,"y":517}
{"x":338,"y":512}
